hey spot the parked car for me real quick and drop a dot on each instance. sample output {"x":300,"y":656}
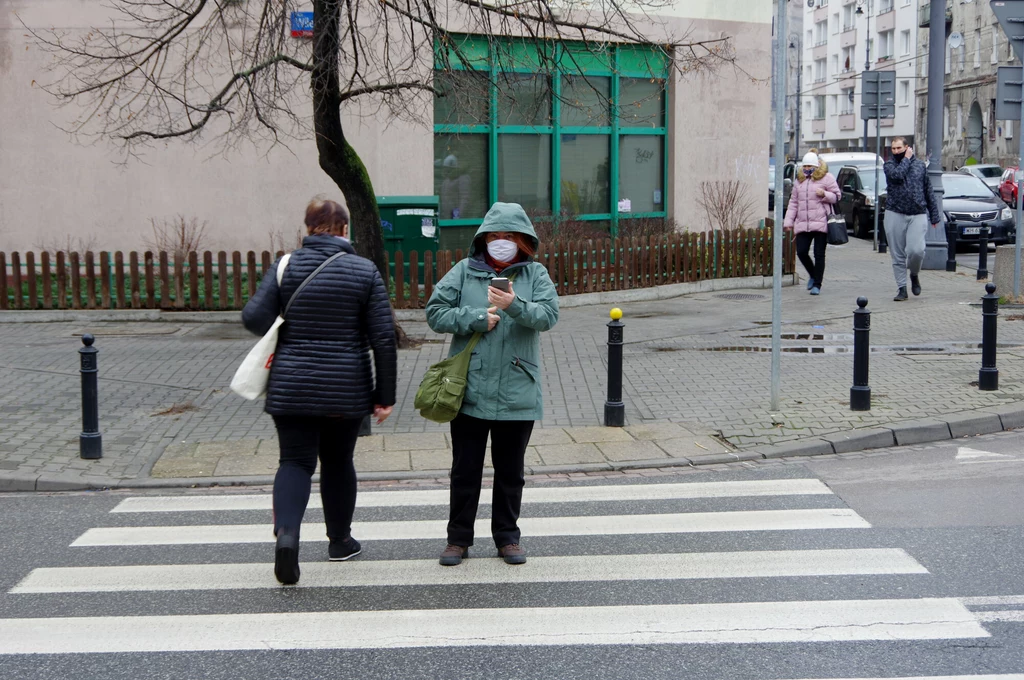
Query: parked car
{"x":857,"y":203}
{"x":835,"y":161}
{"x":991,"y":175}
{"x":968,"y":202}
{"x":1008,"y":186}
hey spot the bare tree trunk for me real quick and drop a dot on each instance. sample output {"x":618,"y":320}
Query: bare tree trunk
{"x":337,"y":157}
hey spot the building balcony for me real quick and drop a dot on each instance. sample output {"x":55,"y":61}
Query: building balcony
{"x":847,"y":121}
{"x":925,"y":14}
{"x":886,"y":21}
{"x":848,"y":38}
{"x":818,"y":125}
{"x":820,"y":52}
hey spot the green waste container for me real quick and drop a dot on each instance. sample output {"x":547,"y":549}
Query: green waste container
{"x":409,"y":223}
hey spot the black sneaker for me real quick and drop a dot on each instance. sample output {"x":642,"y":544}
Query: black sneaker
{"x":286,"y":559}
{"x":343,"y":549}
{"x":915,"y":284}
{"x":901,"y":295}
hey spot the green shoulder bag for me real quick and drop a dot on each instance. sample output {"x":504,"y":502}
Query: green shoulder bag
{"x":439,"y":397}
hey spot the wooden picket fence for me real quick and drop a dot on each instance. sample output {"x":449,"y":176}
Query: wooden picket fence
{"x":215,"y":281}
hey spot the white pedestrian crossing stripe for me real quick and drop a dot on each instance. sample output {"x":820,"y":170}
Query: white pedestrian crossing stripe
{"x":687,"y":522}
{"x":585,"y":568}
{"x":742,"y":622}
{"x":561,"y":494}
{"x":803,"y":621}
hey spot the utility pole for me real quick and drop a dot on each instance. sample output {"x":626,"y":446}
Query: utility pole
{"x":779,"y":81}
{"x":935,"y":239}
{"x":799,"y":73}
{"x":867,"y":53}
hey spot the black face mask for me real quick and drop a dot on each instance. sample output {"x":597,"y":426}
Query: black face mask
{"x":899,"y":156}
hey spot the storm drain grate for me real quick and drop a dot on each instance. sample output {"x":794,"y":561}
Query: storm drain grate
{"x":741,"y":296}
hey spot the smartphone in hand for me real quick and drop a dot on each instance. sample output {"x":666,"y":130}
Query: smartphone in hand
{"x":500,"y":282}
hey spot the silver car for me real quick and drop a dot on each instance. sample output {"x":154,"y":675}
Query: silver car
{"x":991,"y":175}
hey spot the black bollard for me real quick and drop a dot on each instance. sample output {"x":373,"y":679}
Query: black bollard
{"x":614,"y":409}
{"x":983,"y":253}
{"x":90,"y":442}
{"x":988,"y":377}
{"x":860,"y":393}
{"x":951,"y":234}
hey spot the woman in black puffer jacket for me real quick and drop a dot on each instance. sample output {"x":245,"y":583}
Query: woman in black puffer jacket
{"x":321,"y":382}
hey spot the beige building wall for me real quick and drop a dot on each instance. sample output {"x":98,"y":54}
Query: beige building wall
{"x":57,"y":191}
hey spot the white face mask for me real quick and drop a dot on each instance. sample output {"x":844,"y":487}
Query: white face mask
{"x":502,"y":250}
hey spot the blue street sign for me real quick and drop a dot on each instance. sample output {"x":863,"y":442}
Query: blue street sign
{"x":302,"y":24}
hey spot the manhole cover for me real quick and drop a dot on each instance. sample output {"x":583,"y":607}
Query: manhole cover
{"x":741,"y":296}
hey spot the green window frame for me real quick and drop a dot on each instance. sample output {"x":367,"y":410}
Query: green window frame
{"x":508,"y":62}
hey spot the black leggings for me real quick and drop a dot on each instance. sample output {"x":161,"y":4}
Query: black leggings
{"x":509,"y":439}
{"x":303,"y":439}
{"x":815,"y":268}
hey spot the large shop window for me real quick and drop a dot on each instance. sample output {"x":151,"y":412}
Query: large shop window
{"x":565,"y":130}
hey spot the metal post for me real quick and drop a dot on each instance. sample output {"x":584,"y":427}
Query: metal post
{"x":1020,"y":204}
{"x":860,"y":393}
{"x":779,"y":80}
{"x":867,"y":65}
{"x":951,"y":232}
{"x":983,"y":254}
{"x":935,"y":240}
{"x":988,"y":377}
{"x":90,"y":442}
{"x":878,"y":156}
{"x":614,"y":409}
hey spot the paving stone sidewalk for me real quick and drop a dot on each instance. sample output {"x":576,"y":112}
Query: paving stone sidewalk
{"x":698,"y":363}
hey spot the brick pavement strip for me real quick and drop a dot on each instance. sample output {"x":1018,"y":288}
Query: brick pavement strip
{"x":695,"y":383}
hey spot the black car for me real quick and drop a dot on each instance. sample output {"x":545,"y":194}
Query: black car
{"x":857,"y":204}
{"x":968,"y":202}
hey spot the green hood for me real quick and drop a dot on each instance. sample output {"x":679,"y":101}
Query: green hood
{"x":504,"y":217}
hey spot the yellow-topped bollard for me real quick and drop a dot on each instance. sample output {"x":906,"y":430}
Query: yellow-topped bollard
{"x":614,"y":408}
{"x":615,"y":314}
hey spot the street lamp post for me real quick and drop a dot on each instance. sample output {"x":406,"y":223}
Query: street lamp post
{"x":799,"y":113}
{"x":867,"y":58}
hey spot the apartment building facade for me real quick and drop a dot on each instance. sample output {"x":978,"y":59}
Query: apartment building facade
{"x":975,"y":48}
{"x":841,"y":38}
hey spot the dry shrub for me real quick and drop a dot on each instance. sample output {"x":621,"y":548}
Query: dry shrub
{"x":573,"y":229}
{"x":177,"y":236}
{"x":727,"y":205}
{"x":65,"y":244}
{"x":282,"y":241}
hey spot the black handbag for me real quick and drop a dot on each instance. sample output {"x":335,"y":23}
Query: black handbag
{"x":837,"y":235}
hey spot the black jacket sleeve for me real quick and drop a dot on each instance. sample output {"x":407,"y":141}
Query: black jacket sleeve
{"x":380,"y":330}
{"x":262,"y":309}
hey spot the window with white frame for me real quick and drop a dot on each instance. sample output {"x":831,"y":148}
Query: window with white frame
{"x":835,"y":64}
{"x":995,"y":45}
{"x":885,"y":6}
{"x":905,"y":43}
{"x":945,"y":118}
{"x":835,"y":23}
{"x":949,"y":57}
{"x":819,"y":71}
{"x":834,"y":104}
{"x":885,"y":45}
{"x":906,"y":3}
{"x":819,"y":106}
{"x":904,"y":96}
{"x":848,"y":16}
{"x":977,"y":48}
{"x":1009,"y":50}
{"x":959,"y":119}
{"x":808,"y":110}
{"x":847,"y":62}
{"x":963,"y":56}
{"x":820,"y":33}
{"x":846,"y":101}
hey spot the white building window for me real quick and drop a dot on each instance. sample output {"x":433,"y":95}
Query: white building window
{"x":963,"y":56}
{"x":885,"y":6}
{"x":977,"y":48}
{"x":834,"y":104}
{"x":905,"y":43}
{"x":835,"y":64}
{"x":949,"y":56}
{"x":1009,"y":50}
{"x":904,"y":93}
{"x":945,"y":118}
{"x":886,"y":45}
{"x":995,"y":45}
{"x":821,"y":33}
{"x":847,"y":59}
{"x":819,"y":106}
{"x":1008,"y":127}
{"x":835,"y":23}
{"x":820,"y":74}
{"x":846,"y":102}
{"x":959,"y":120}
{"x":848,"y":17}
{"x":906,"y":3}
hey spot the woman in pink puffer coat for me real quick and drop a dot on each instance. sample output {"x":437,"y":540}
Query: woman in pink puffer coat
{"x":814,"y":195}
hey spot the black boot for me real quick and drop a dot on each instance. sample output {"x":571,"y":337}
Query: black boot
{"x":901,"y":294}
{"x":286,"y":558}
{"x":915,"y":284}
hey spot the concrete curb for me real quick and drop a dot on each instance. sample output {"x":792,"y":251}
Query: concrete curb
{"x":967,"y":424}
{"x":664,"y":292}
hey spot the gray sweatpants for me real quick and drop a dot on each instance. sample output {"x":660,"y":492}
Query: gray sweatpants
{"x":906,"y":235}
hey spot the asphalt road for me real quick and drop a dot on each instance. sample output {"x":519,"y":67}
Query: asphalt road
{"x":902,"y":563}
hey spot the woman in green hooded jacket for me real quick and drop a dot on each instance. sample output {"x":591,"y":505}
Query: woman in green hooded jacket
{"x":503,"y":386}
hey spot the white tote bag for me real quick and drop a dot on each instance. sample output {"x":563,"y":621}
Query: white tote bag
{"x":251,"y":378}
